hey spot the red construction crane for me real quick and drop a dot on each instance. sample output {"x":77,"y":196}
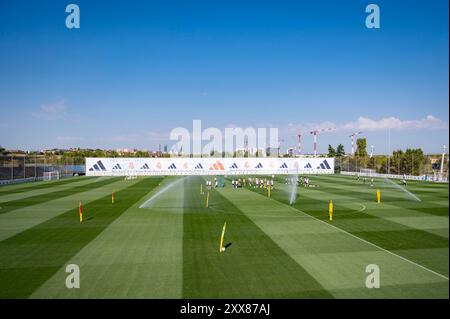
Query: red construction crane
{"x":299,"y":147}
{"x":353,"y":142}
{"x":316,"y":132}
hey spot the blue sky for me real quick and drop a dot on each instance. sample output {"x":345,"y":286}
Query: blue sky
{"x":137,"y":69}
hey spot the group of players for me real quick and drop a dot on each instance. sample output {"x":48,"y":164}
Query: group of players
{"x":371,"y":180}
{"x":302,"y":181}
{"x":254,"y":182}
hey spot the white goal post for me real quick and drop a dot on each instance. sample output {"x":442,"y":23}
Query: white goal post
{"x":48,"y":176}
{"x":366,"y":172}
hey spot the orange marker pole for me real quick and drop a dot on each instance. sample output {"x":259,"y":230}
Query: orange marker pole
{"x":80,"y":210}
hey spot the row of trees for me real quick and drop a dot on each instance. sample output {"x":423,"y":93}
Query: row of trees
{"x":412,"y":161}
{"x":409,"y":161}
{"x":102,"y":153}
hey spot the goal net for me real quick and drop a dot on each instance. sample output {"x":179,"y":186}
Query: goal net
{"x":366,"y":171}
{"x":48,"y":176}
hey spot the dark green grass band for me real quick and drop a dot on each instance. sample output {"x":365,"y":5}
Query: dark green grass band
{"x":6,"y":207}
{"x":400,"y":240}
{"x":253,"y":266}
{"x":33,"y":256}
{"x":8,"y":189}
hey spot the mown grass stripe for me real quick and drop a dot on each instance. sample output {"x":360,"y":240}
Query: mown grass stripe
{"x":402,"y":239}
{"x":7,"y":189}
{"x":253,"y":266}
{"x":333,"y":257}
{"x":9,"y":206}
{"x":30,"y":258}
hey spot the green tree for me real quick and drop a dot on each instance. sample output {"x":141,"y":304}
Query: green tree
{"x":331,"y":151}
{"x":340,"y":150}
{"x":361,"y":147}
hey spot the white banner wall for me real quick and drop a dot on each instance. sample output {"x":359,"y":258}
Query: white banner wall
{"x":207,"y":166}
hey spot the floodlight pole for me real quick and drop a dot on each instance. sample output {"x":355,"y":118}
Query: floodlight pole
{"x":389,"y":151}
{"x":443,"y":159}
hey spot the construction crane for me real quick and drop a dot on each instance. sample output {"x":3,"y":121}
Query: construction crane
{"x":299,"y":147}
{"x":353,"y":142}
{"x":280,"y":140}
{"x":316,"y":132}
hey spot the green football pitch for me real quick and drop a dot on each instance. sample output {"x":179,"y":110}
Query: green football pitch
{"x":159,"y":240}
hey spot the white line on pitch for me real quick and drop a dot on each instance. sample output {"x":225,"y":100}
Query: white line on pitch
{"x":375,"y":245}
{"x":367,"y":242}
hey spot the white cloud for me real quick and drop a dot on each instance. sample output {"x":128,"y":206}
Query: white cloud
{"x":51,"y":111}
{"x":362,"y":123}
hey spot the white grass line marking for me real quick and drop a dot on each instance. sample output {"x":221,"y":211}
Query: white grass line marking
{"x":368,"y":242}
{"x":362,"y":209}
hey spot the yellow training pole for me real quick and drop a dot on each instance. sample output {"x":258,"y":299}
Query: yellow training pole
{"x":80,"y":210}
{"x":207,"y":200}
{"x":268,"y":191}
{"x":201,"y":189}
{"x":378,"y":196}
{"x":221,"y":237}
{"x":330,"y":210}
{"x":113,"y":195}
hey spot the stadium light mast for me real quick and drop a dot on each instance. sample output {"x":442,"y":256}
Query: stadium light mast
{"x":299,"y":146}
{"x":315,"y":133}
{"x":353,"y":142}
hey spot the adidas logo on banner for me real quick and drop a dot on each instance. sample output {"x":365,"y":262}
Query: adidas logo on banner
{"x":199,"y":166}
{"x":234,"y":166}
{"x":117,"y":166}
{"x":98,"y":167}
{"x":172,"y":166}
{"x":308,"y":165}
{"x":217,"y":166}
{"x":145,"y":166}
{"x":259,"y":165}
{"x":283,"y":166}
{"x":324,"y":165}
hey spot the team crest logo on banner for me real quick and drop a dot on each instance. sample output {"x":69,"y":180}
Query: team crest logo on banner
{"x":217,"y":166}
